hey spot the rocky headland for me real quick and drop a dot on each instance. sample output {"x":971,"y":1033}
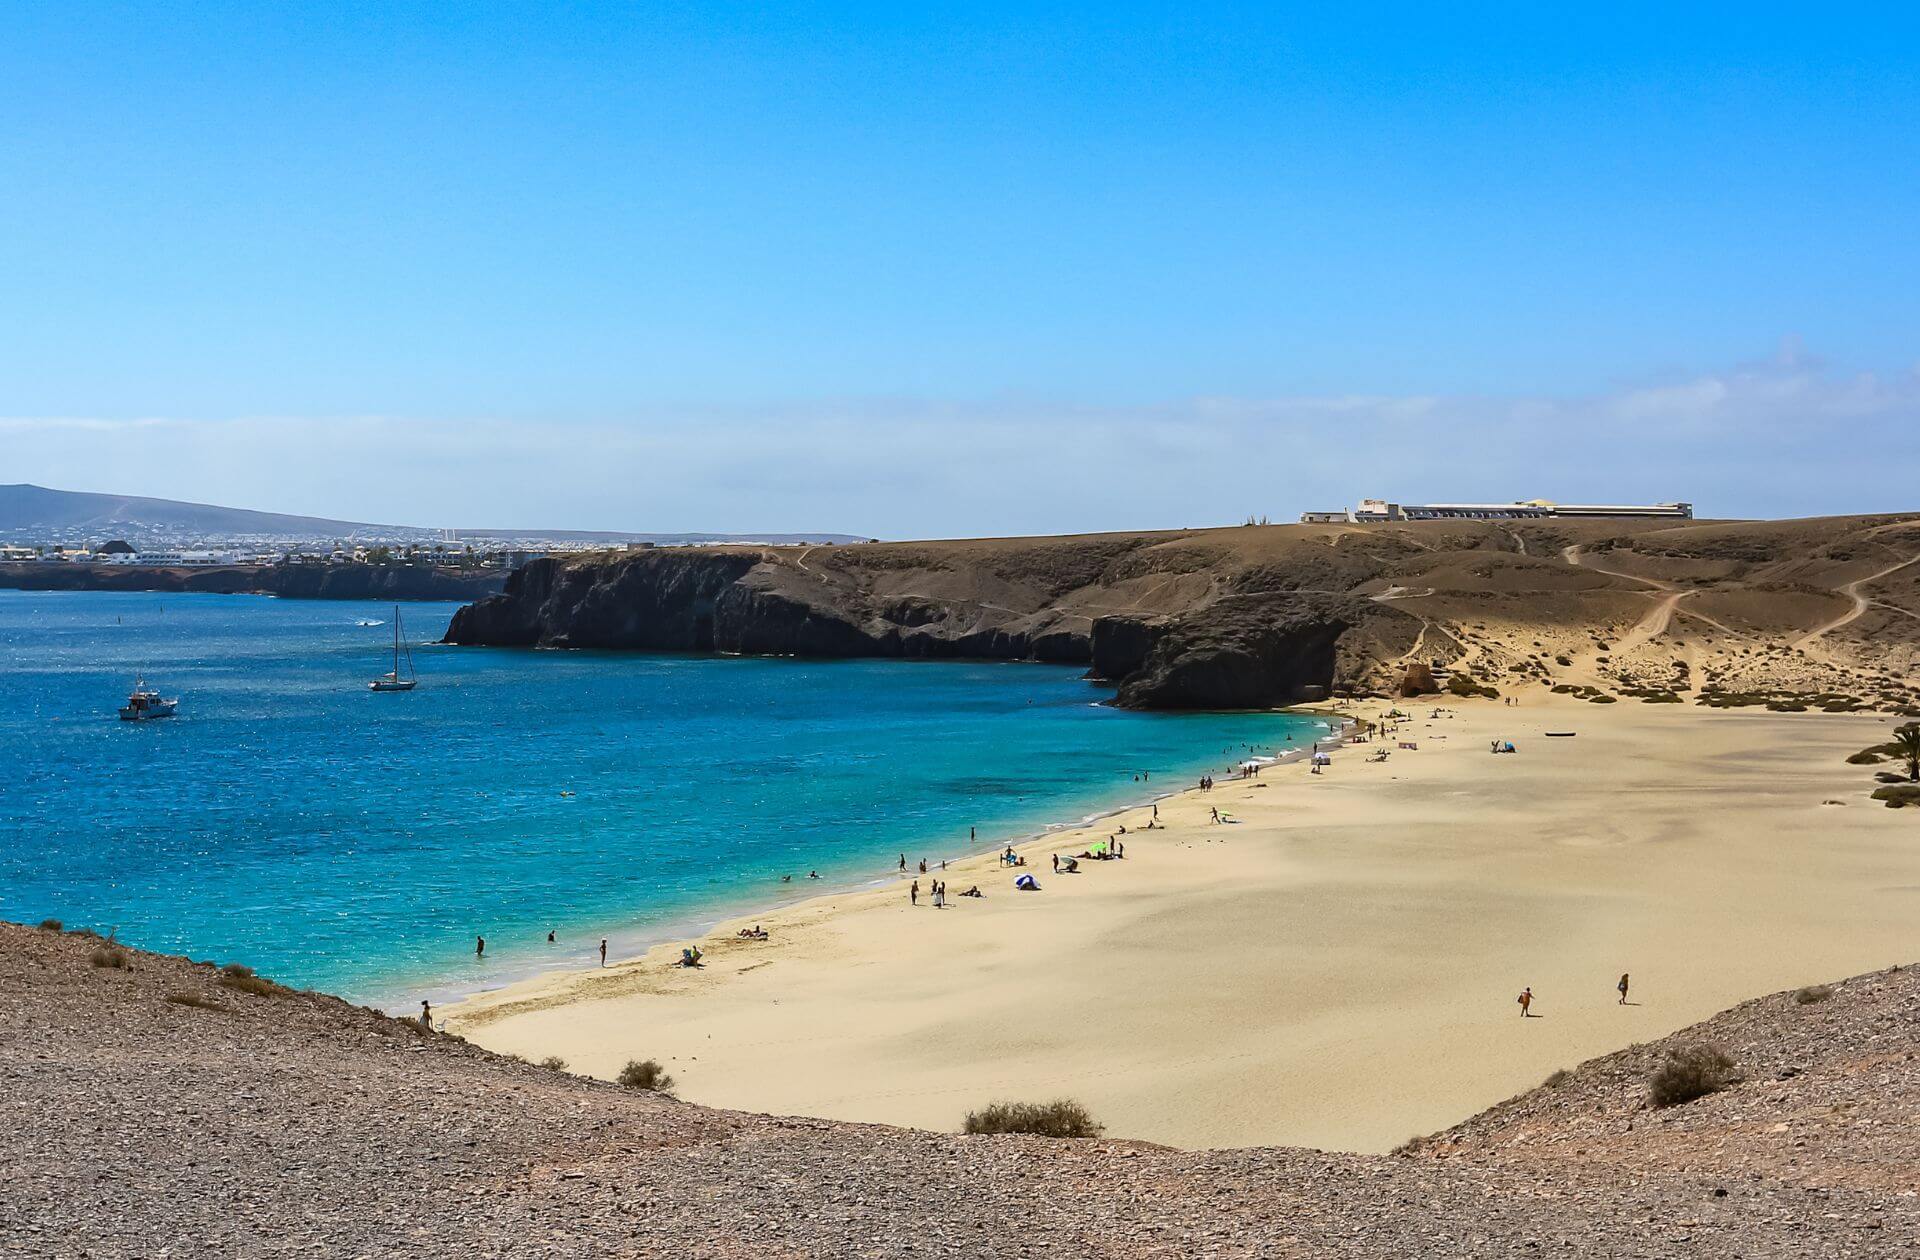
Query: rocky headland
{"x":1810,"y":611}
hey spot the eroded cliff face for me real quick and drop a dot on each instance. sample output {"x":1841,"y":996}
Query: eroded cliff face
{"x":1257,"y":651}
{"x":1191,"y":645}
{"x":742,"y":602}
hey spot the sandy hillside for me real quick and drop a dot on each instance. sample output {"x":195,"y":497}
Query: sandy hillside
{"x":154,"y":1110}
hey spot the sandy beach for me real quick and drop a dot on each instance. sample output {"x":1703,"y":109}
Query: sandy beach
{"x":1336,"y":968}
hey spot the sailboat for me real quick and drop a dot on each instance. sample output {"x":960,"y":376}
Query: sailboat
{"x":392,"y":680}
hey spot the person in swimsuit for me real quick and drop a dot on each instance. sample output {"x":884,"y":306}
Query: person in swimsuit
{"x":1622,"y":986}
{"x":1526,"y":1001}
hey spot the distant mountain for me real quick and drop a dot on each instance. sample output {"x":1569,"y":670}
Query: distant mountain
{"x":35,"y":513}
{"x":26,"y":509}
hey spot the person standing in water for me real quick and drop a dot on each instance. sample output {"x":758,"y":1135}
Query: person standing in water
{"x":479,"y":947}
{"x":1622,"y":986}
{"x":603,"y":951}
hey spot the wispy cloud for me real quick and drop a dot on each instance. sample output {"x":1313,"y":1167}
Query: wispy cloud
{"x":1782,"y":436}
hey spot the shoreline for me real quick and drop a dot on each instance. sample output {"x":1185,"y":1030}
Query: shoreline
{"x":1336,"y":968}
{"x":404,"y":998}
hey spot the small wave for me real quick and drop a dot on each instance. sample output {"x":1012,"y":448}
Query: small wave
{"x":369,"y":623}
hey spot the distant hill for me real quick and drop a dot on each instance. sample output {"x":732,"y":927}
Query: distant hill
{"x":28,"y":508}
{"x":34,"y":513}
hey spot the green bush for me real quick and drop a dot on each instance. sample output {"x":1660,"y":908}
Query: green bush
{"x":1061,"y":1118}
{"x":1464,"y":685}
{"x":645,"y":1074}
{"x":1690,"y":1072}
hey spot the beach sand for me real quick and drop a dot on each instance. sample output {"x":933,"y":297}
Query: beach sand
{"x":1337,"y":968}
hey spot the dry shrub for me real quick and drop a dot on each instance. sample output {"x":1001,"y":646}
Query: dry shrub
{"x":555,"y":1062}
{"x":1465,"y":685}
{"x":645,"y":1074}
{"x":52,"y":925}
{"x":193,"y":999}
{"x":1061,"y":1118}
{"x":1559,"y":1078}
{"x":1690,"y":1072}
{"x":240,"y":978}
{"x":108,"y":956}
{"x":1813,"y":993}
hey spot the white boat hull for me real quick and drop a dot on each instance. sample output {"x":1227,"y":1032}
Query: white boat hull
{"x":392,"y":684}
{"x":147,"y":713}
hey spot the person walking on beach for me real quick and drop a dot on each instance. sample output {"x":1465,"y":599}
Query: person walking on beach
{"x":1056,"y":864}
{"x":1622,"y":986}
{"x":1526,"y":1001}
{"x":913,"y":894}
{"x":603,"y":951}
{"x":426,"y":1015}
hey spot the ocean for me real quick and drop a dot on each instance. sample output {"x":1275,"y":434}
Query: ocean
{"x":337,"y":839}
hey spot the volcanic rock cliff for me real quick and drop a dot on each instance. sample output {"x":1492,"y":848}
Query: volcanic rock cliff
{"x":1262,"y":616}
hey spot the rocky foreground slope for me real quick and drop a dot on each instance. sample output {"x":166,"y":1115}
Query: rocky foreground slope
{"x":1259,"y":616}
{"x":154,"y":1109}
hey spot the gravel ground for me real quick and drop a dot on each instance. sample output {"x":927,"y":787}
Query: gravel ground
{"x":294,"y":1124}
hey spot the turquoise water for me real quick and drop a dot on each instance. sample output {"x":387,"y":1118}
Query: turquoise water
{"x":354,"y":842}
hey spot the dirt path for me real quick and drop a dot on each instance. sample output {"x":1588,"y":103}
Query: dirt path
{"x":1860,"y":603}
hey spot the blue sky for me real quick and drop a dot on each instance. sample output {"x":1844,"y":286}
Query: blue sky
{"x":968,"y":270}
